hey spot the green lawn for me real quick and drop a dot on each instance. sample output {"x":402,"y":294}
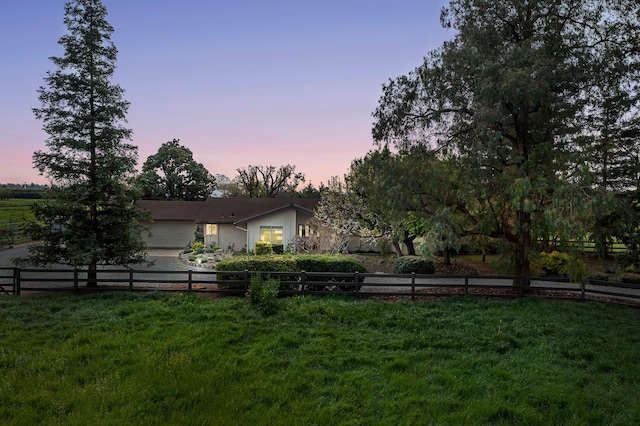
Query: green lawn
{"x":180,"y":359}
{"x":17,"y":209}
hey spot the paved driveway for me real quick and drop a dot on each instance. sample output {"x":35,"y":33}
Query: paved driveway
{"x":163,"y":260}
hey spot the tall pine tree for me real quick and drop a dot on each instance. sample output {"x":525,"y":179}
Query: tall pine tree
{"x":91,"y":218}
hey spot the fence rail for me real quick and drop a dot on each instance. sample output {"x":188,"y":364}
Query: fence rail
{"x":15,"y":281}
{"x":13,"y":231}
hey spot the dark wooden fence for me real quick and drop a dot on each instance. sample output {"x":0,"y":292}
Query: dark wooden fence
{"x":15,"y":281}
{"x":13,"y":232}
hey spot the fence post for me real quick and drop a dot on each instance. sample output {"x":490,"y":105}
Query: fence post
{"x":130,"y":279}
{"x":246,"y":280}
{"x":190,"y":277}
{"x":356,"y":282}
{"x":16,"y":281}
{"x":523,"y":283}
{"x":75,"y":280}
{"x":466,"y":285}
{"x":413,"y":286}
{"x":303,"y":282}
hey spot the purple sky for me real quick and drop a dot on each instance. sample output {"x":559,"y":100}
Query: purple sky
{"x":238,"y":82}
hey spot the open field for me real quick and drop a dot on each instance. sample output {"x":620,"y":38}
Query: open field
{"x":16,"y":209}
{"x":15,"y":215}
{"x":180,"y":359}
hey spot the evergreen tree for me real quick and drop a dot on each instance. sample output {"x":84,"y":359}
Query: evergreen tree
{"x":91,"y":217}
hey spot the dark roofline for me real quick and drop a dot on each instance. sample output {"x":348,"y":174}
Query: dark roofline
{"x":222,"y":211}
{"x":284,"y":207}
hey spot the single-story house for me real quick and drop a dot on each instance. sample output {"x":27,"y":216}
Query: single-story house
{"x":230,"y":223}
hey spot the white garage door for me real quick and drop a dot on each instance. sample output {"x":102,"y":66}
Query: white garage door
{"x":170,"y":234}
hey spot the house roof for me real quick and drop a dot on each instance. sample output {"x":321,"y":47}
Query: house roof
{"x":162,"y":210}
{"x":223,"y":210}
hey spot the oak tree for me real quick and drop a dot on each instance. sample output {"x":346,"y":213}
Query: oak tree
{"x":269,"y":181}
{"x":173,"y":174}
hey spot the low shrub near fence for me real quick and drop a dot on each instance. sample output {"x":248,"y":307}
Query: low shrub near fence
{"x":413,"y":264}
{"x":315,"y":263}
{"x":264,"y":263}
{"x":290,"y":263}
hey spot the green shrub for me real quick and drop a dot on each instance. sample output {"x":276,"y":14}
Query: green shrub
{"x":328,"y":263}
{"x":409,"y":264}
{"x":268,"y":263}
{"x":629,"y":278}
{"x":599,"y":276}
{"x":554,"y":263}
{"x":263,"y":294}
{"x":262,"y":248}
{"x":197,"y":246}
{"x":288,"y":263}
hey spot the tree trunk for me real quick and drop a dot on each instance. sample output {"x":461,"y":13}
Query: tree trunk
{"x":447,"y":256}
{"x":397,"y":248}
{"x":523,"y":247}
{"x":408,"y":241}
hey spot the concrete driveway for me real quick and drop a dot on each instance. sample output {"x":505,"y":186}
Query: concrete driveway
{"x":163,"y":259}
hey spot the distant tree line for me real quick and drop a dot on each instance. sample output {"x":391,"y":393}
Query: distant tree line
{"x":38,"y":192}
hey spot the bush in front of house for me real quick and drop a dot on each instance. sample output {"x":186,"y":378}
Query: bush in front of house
{"x":264,"y":263}
{"x":413,"y":264}
{"x":287,"y":263}
{"x":329,"y":263}
{"x":197,"y":247}
{"x":262,"y":247}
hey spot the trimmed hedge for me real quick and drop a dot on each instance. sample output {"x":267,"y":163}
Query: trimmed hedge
{"x":327,"y":263}
{"x":409,"y":264}
{"x":270,"y":263}
{"x":287,"y":263}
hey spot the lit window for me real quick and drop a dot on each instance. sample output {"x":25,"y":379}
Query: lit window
{"x":305,"y":231}
{"x":271,"y":234}
{"x":211,"y":229}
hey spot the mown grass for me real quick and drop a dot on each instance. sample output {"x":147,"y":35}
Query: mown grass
{"x":179,"y":359}
{"x":16,"y":209}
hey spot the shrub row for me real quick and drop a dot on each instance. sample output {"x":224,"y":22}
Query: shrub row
{"x":288,"y":263}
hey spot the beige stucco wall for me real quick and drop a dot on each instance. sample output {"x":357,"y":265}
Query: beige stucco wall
{"x":229,"y":236}
{"x":170,"y":234}
{"x":288,"y":219}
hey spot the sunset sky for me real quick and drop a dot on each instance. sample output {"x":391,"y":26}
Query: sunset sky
{"x":239,"y":82}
